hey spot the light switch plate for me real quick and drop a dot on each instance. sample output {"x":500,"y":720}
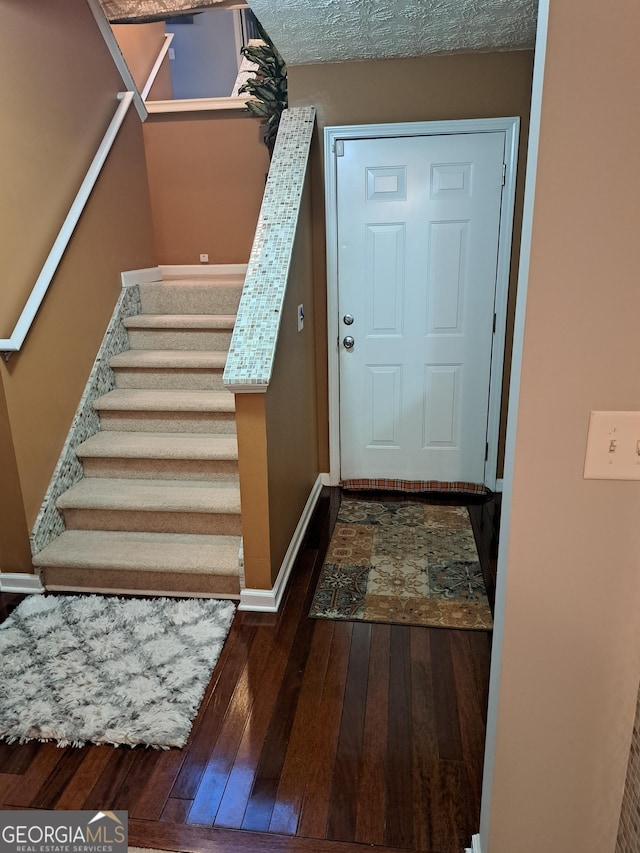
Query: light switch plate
{"x":613,"y":446}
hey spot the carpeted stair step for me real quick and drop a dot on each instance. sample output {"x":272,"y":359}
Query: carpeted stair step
{"x":152,"y":506}
{"x":147,"y":410}
{"x":180,"y":331}
{"x":219,"y":294}
{"x":144,"y":455}
{"x":169,"y":370}
{"x":141,"y":562}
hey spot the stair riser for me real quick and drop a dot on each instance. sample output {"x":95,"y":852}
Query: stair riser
{"x":199,"y":298}
{"x":163,"y":580}
{"x":223,"y":471}
{"x":198,"y":422}
{"x":218,"y":524}
{"x":200,"y":340}
{"x":170,"y":380}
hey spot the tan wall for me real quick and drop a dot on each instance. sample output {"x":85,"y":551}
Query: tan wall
{"x":15,"y":554}
{"x":291,"y":408}
{"x":206,"y":179}
{"x":72,"y":86}
{"x":277,"y":433}
{"x":422,"y":89}
{"x":140,"y":45}
{"x":251,"y":428}
{"x":570,"y":662}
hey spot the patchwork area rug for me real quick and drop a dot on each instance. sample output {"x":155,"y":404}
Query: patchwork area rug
{"x":403,"y":562}
{"x":99,"y":669}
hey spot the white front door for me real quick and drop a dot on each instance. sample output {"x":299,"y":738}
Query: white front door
{"x":418,"y":221}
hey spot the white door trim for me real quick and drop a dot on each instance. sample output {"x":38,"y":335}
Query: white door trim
{"x":511,"y":128}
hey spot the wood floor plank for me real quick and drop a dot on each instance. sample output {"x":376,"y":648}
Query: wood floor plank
{"x":221,"y":761}
{"x":444,"y":694}
{"x":105,"y":791}
{"x":238,"y":645}
{"x":341,"y":825}
{"x":175,"y":811}
{"x":65,"y":769}
{"x":471,"y":712}
{"x":290,"y":795}
{"x":317,"y":796}
{"x":480,"y":652}
{"x":94,"y":761}
{"x":142,"y":766}
{"x":262,"y":801}
{"x":16,"y":757}
{"x":7,"y":781}
{"x":198,"y":839}
{"x":371,"y":796}
{"x":425,"y":740}
{"x":157,"y":787}
{"x":450,"y":825}
{"x":399,"y":831}
{"x":26,"y":785}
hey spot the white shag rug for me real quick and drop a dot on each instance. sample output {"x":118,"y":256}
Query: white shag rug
{"x":99,"y":669}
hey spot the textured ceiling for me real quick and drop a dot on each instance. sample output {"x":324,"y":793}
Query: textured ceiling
{"x":339,"y":30}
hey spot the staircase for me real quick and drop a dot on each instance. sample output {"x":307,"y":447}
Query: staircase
{"x":158,"y":509}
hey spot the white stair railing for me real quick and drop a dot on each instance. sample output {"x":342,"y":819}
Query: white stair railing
{"x":14,"y":343}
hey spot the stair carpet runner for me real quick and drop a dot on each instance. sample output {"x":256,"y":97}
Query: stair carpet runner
{"x":158,"y":509}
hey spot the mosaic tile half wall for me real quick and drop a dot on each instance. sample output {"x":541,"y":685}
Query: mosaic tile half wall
{"x":86,"y":423}
{"x":255,"y":335}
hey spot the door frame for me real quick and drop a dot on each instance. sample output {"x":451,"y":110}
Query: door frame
{"x":332,"y":135}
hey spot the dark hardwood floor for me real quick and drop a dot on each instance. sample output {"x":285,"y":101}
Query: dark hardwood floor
{"x":313,"y":735}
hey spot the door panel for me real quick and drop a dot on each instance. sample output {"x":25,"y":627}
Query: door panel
{"x":418,"y":223}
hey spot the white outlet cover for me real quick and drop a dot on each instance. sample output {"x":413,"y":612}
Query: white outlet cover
{"x":613,"y":443}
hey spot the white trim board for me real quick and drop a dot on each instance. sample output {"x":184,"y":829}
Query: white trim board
{"x":151,"y":79}
{"x":511,"y":128}
{"x":20,"y":582}
{"x":130,"y":278}
{"x":116,"y":54}
{"x":475,"y":845}
{"x":268,"y":600}
{"x":191,"y":105}
{"x":514,"y":396}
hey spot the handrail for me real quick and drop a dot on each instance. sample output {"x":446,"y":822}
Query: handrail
{"x":14,"y":343}
{"x":168,"y":38}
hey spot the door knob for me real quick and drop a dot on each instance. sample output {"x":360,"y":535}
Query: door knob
{"x":348,"y":342}
{"x":347,"y":319}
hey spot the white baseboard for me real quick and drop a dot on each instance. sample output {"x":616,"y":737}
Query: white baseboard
{"x":195,"y":270}
{"x":498,"y":487}
{"x":18,"y":582}
{"x":475,"y":845}
{"x":268,"y":600}
{"x":130,"y":278}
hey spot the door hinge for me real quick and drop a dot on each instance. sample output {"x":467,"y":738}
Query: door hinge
{"x":504,"y":174}
{"x":338,"y":148}
{"x":486,"y":451}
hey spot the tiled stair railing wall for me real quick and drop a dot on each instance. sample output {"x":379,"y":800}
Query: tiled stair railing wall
{"x":253,"y":345}
{"x":270,"y":366}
